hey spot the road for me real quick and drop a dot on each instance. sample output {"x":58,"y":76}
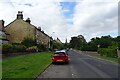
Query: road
{"x":82,"y":66}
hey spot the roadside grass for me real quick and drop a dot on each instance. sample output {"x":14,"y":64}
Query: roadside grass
{"x":110,"y":59}
{"x":25,"y":66}
{"x":95,"y":54}
{"x":0,"y":69}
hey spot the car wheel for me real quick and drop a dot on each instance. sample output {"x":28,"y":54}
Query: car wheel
{"x":67,"y":62}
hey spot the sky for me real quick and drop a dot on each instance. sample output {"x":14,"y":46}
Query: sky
{"x":66,"y":18}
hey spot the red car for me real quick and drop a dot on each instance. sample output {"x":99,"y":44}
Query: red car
{"x":60,"y":56}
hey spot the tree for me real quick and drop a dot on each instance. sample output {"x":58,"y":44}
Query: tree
{"x":104,"y":42}
{"x":77,"y":42}
{"x":66,"y":44}
{"x":56,"y":45}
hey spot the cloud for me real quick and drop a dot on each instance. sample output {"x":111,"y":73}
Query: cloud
{"x":46,"y":14}
{"x":90,"y":18}
{"x":94,"y":18}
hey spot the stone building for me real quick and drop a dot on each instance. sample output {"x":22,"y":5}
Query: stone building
{"x":3,"y":34}
{"x":20,"y":29}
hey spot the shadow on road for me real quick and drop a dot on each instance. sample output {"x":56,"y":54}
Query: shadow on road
{"x":60,"y":63}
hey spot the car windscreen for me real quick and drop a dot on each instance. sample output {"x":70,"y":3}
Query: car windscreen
{"x":59,"y":53}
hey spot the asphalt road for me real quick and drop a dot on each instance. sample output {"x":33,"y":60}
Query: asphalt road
{"x":81,"y":66}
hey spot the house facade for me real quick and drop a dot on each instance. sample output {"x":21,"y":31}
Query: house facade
{"x":3,"y":34}
{"x":20,"y":29}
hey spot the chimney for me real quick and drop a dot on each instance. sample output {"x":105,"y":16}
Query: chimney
{"x":28,"y":20}
{"x":39,"y":28}
{"x":20,"y":15}
{"x":3,"y":23}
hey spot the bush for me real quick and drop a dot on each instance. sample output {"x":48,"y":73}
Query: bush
{"x":32,"y":49}
{"x":6,"y":48}
{"x":28,"y":42}
{"x":41,"y":47}
{"x":107,"y":52}
{"x":89,"y":48}
{"x":10,"y":48}
{"x":18,"y":48}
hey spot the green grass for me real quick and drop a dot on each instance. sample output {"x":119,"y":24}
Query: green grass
{"x":26,"y":66}
{"x":0,"y":69}
{"x":110,"y":59}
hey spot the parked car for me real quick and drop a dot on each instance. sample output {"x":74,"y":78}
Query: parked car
{"x":60,"y":57}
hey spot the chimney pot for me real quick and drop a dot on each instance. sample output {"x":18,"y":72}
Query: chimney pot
{"x":28,"y":20}
{"x":20,"y":15}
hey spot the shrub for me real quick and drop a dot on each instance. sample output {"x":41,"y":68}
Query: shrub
{"x":6,"y":48}
{"x":41,"y":47}
{"x":32,"y":49}
{"x":28,"y":42}
{"x":107,"y":52}
{"x":18,"y":48}
{"x":9,"y":48}
{"x":113,"y":47}
{"x":89,"y":48}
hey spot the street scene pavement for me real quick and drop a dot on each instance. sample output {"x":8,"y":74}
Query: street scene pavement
{"x":81,"y":66}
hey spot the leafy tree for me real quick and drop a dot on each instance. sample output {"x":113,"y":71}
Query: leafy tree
{"x":103,"y":42}
{"x":56,"y":45}
{"x":77,"y":42}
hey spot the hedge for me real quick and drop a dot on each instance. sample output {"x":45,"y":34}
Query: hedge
{"x":107,"y":52}
{"x":89,"y":48}
{"x":6,"y":48}
{"x":10,"y":48}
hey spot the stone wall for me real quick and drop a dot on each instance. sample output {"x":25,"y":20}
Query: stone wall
{"x":43,"y":38}
{"x":19,"y":29}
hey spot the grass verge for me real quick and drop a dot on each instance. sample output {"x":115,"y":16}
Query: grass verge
{"x":0,"y":69}
{"x":95,"y":54}
{"x":26,"y":66}
{"x":110,"y":59}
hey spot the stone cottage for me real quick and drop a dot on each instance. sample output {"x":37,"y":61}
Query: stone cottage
{"x":20,"y":29}
{"x":3,"y":34}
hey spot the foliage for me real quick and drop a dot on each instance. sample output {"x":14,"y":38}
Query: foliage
{"x":41,"y":47}
{"x":57,"y":45}
{"x":28,"y":42}
{"x":8,"y":48}
{"x":18,"y":48}
{"x":114,"y":46}
{"x":89,"y":48}
{"x":103,"y":42}
{"x":77,"y":42}
{"x":107,"y":52}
